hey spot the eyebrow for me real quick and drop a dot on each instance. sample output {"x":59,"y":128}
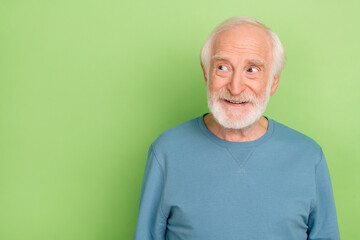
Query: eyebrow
{"x":251,"y":61}
{"x":258,"y":62}
{"x":219,"y":57}
{"x":255,"y":61}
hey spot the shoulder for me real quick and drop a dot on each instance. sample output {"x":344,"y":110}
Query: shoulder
{"x":178,"y":136}
{"x":294,"y":139}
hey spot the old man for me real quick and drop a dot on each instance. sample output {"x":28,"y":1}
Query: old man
{"x":233,"y":173}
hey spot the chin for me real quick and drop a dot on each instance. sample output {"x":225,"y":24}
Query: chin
{"x":235,"y":118}
{"x":235,"y":121}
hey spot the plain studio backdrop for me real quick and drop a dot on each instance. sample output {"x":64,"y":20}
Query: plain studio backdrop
{"x":86,"y":86}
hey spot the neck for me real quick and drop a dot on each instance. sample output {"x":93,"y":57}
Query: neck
{"x":251,"y":133}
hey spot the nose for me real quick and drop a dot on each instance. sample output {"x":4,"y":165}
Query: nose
{"x":236,"y":84}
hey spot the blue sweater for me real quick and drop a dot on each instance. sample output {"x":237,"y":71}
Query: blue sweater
{"x":198,"y":186}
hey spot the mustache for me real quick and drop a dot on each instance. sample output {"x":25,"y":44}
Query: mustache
{"x":242,"y":97}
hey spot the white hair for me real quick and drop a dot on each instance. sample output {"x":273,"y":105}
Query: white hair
{"x":278,"y":52}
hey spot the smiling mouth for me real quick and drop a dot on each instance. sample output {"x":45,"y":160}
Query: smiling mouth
{"x":235,"y":102}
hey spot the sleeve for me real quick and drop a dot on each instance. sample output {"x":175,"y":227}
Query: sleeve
{"x":151,"y":222}
{"x":322,"y":219}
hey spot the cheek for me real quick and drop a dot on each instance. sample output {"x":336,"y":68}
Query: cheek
{"x":217,"y":83}
{"x":258,"y":87}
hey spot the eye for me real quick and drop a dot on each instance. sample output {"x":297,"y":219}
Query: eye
{"x":222,"y":67}
{"x":252,"y":69}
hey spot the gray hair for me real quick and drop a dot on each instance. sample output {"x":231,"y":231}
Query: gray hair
{"x":278,"y":52}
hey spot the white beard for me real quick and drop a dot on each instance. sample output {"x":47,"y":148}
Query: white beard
{"x":233,"y":118}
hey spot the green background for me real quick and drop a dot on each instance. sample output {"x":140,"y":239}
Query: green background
{"x":86,"y":86}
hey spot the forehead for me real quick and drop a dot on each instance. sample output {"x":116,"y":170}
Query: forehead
{"x":247,"y":41}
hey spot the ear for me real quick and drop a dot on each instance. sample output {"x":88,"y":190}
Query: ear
{"x":204,"y":72}
{"x":275,"y":84}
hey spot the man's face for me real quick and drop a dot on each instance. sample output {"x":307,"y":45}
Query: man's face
{"x":239,"y":84}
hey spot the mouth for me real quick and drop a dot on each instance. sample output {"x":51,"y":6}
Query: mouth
{"x":232,"y":102}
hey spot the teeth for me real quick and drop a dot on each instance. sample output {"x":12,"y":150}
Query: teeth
{"x":235,"y":102}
